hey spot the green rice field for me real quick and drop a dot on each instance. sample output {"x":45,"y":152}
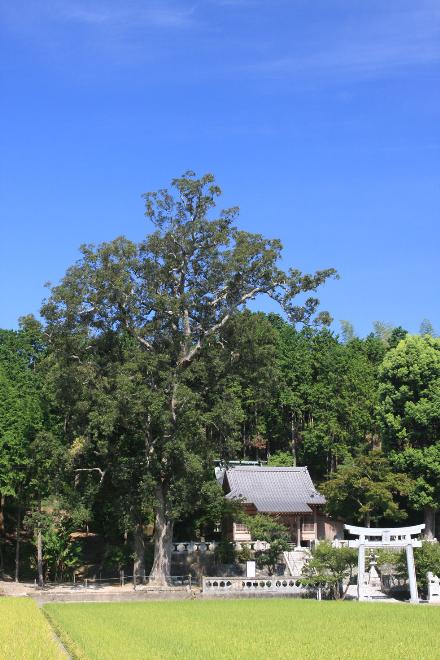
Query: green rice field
{"x":246,"y":629}
{"x":25,"y":633}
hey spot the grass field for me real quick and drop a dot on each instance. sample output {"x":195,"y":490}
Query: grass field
{"x":24,"y":632}
{"x":247,"y":629}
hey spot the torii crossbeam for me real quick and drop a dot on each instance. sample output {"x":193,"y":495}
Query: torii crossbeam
{"x":386,"y":537}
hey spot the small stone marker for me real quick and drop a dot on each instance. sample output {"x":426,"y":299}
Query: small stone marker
{"x":433,"y":588}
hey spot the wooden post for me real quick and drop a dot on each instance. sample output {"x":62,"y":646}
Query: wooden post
{"x":298,"y":531}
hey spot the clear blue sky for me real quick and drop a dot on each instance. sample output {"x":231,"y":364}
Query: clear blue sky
{"x":319,"y":118}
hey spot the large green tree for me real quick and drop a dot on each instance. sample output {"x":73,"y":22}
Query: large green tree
{"x":410,"y":408}
{"x":22,"y":421}
{"x":324,"y":407}
{"x":366,"y":489}
{"x":172,"y":294}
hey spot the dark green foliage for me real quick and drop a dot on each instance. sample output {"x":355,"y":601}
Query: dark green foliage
{"x":426,"y":559}
{"x":132,"y":328}
{"x":150,"y":367}
{"x":423,"y":465}
{"x":330,"y":567}
{"x":21,"y":410}
{"x":325,"y":404}
{"x":280,"y":459}
{"x":410,"y":408}
{"x":410,"y":392}
{"x":269,"y":529}
{"x":224,"y":552}
{"x":367,"y":489}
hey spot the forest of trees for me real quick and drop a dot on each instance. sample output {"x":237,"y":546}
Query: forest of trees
{"x":146,"y":367}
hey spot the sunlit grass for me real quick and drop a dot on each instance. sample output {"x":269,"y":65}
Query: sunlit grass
{"x":24,"y":632}
{"x":248,"y":629}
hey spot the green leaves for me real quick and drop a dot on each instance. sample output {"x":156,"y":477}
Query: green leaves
{"x":410,"y":392}
{"x":423,"y":465}
{"x":329,"y":566}
{"x":135,"y":330}
{"x":267,"y":528}
{"x":367,"y":488}
{"x":21,"y":406}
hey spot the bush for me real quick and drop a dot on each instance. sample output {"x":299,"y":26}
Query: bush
{"x":426,"y":558}
{"x":269,"y":529}
{"x":224,"y":553}
{"x":244,"y":555}
{"x":330,"y":567}
{"x":269,"y":558}
{"x":280,"y":459}
{"x":116,"y":557}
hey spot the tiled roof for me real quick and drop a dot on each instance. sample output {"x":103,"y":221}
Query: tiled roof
{"x":273,"y":489}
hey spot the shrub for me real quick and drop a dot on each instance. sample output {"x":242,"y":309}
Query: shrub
{"x":426,"y":558}
{"x":330,"y":567}
{"x":224,"y":552}
{"x":244,"y":555}
{"x":269,"y":529}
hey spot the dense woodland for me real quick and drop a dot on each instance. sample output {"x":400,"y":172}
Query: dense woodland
{"x":147,"y":367}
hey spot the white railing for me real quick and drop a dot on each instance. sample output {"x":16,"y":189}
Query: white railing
{"x":210,"y":546}
{"x":246,"y":585}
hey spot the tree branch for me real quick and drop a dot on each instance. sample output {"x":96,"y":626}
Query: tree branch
{"x":94,"y":469}
{"x":189,"y":356}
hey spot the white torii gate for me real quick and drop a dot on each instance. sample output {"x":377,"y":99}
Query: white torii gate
{"x":382,"y":537}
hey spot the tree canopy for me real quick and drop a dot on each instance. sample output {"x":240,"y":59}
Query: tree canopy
{"x":160,"y":305}
{"x":149,"y":366}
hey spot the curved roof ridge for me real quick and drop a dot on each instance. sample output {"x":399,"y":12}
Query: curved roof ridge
{"x":264,"y":468}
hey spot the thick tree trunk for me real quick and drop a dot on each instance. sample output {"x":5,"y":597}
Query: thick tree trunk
{"x":429,"y":512}
{"x":17,"y":546}
{"x":163,"y":536}
{"x":293,"y":439}
{"x":40,"y":558}
{"x":367,"y":520}
{"x":2,"y":514}
{"x":139,"y":553}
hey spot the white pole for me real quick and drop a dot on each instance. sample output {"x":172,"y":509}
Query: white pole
{"x":298,"y":531}
{"x":361,"y":571}
{"x":414,"y":596}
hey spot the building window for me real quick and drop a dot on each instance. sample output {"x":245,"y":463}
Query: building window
{"x":308,"y":525}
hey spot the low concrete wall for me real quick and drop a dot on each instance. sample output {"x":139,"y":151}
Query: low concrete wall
{"x":85,"y":596}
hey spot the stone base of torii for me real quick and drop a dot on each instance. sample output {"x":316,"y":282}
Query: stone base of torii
{"x":387,"y":538}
